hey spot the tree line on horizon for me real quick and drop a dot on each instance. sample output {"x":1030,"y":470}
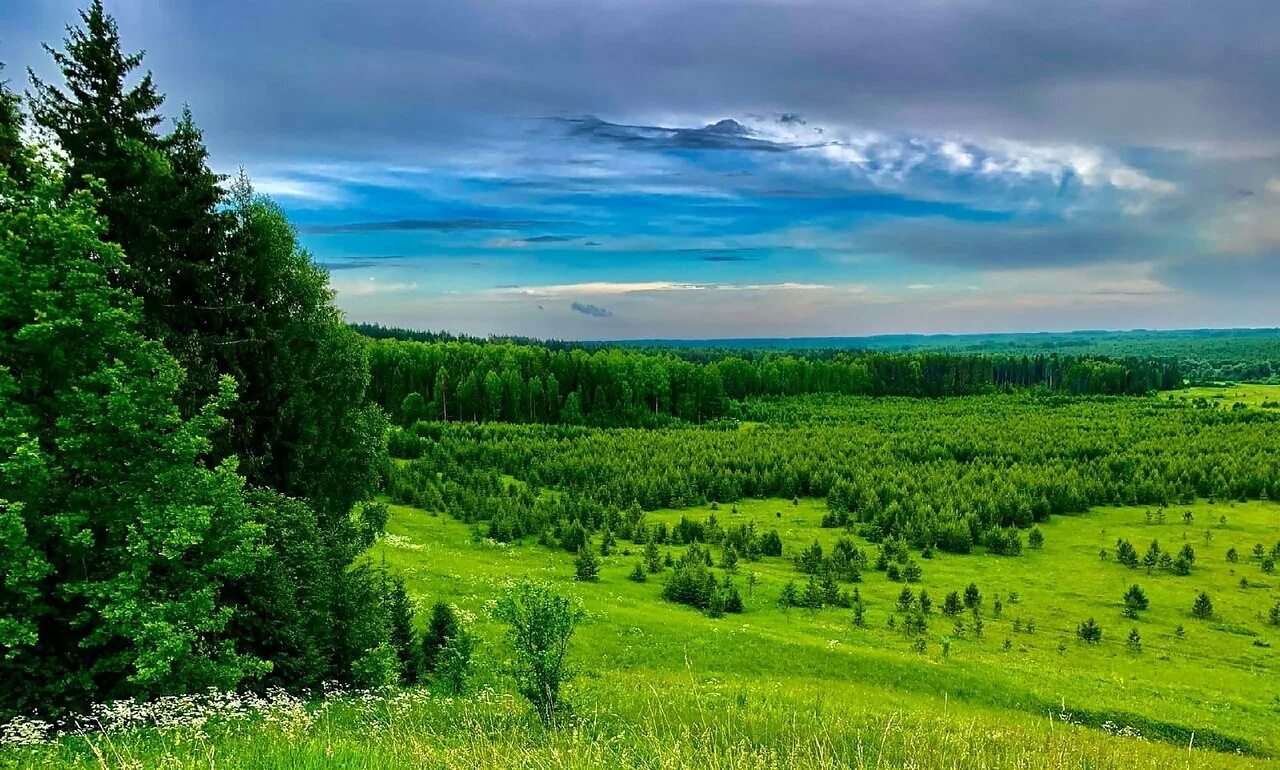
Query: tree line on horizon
{"x":188,"y":452}
{"x":1204,"y":356}
{"x":516,"y":382}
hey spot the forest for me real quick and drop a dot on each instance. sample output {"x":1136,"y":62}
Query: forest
{"x":469,"y":381}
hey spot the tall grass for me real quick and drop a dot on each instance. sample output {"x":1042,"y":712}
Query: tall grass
{"x":633,"y":721}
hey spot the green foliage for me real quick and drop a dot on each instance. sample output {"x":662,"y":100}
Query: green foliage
{"x":124,"y":543}
{"x":540,"y":622}
{"x":1202,"y":607}
{"x":967,"y":471}
{"x":492,"y":380}
{"x":1089,"y":632}
{"x":267,"y":390}
{"x":442,"y":626}
{"x":1135,"y":601}
{"x":587,"y":565}
{"x":453,"y":664}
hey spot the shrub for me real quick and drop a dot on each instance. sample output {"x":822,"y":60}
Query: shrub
{"x":541,"y":623}
{"x":972,"y":596}
{"x":638,"y":574}
{"x":691,"y":581}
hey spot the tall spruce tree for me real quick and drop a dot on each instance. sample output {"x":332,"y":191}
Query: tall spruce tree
{"x":222,"y":283}
{"x":122,"y":542}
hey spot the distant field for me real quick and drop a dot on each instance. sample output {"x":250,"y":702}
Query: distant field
{"x":1229,"y":394}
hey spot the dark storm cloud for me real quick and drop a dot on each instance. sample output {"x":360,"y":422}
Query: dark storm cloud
{"x":727,"y":134}
{"x":347,"y":77}
{"x":595,"y":311}
{"x":440,"y":225}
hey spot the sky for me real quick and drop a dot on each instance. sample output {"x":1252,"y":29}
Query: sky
{"x":685,"y":169}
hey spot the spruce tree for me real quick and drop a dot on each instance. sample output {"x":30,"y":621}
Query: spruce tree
{"x":1135,"y":601}
{"x":587,"y":565}
{"x":1202,"y":607}
{"x":125,"y":540}
{"x":1089,"y":632}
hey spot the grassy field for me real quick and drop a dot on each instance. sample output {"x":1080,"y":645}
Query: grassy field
{"x":1229,"y":394}
{"x":662,"y":685}
{"x":1213,"y":680}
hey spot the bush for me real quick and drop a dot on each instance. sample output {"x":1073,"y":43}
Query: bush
{"x":541,"y":624}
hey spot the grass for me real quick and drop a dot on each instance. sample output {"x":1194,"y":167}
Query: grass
{"x":1231,"y":393}
{"x":644,"y":721}
{"x":661,"y":685}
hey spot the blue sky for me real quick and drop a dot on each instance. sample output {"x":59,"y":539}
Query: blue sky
{"x":713,"y":169}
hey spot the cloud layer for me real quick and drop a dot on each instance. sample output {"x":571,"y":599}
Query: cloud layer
{"x":668,"y":168}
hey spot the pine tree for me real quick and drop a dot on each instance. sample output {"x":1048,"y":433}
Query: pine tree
{"x":1035,"y":538}
{"x":951,"y":605}
{"x":652,"y":558}
{"x":789,"y":597}
{"x":1134,"y":642}
{"x":972,"y":596}
{"x":729,"y":560}
{"x":638,"y":574}
{"x":1089,"y":632}
{"x":442,"y":626}
{"x":1202,"y":608}
{"x":1135,"y":601}
{"x":587,"y":565}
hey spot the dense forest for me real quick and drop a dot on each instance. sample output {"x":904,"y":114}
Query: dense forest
{"x":189,"y":453}
{"x":457,"y":380}
{"x":948,"y":474}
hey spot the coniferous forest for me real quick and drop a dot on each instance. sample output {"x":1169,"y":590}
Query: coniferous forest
{"x":190,"y":453}
{"x":238,"y":531}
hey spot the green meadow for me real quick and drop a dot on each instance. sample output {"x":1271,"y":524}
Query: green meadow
{"x":1216,"y":677}
{"x":663,"y":685}
{"x":1228,"y":394}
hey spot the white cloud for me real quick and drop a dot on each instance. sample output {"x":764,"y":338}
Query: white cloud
{"x":300,"y":191}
